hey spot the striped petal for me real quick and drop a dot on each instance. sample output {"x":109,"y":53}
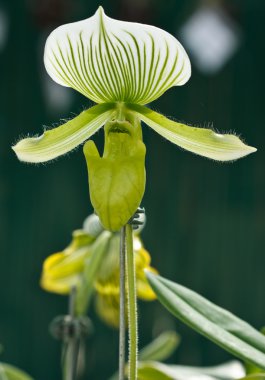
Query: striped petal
{"x":202,"y":141}
{"x":109,"y":60}
{"x":58,"y":141}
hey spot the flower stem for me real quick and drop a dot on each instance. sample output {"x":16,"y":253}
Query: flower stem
{"x":71,"y":344}
{"x":132,"y":304}
{"x":122,"y":305}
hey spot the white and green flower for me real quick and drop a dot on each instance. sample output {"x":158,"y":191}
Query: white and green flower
{"x":121,"y":66}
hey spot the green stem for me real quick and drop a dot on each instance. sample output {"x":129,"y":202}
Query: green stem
{"x":70,"y":345}
{"x":122,"y":304}
{"x":132,"y":304}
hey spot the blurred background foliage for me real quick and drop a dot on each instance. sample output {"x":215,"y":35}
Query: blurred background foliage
{"x":206,"y":221}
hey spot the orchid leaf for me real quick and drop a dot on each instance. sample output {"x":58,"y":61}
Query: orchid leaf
{"x":58,"y":141}
{"x":117,"y":180}
{"x":256,"y":376}
{"x":155,"y":370}
{"x":215,"y":323}
{"x":110,"y":61}
{"x":161,"y":347}
{"x":202,"y":141}
{"x":9,"y":372}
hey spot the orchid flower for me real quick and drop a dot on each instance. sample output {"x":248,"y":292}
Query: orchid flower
{"x":121,"y":66}
{"x":66,"y":269}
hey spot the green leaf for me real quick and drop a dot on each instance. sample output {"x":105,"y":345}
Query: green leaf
{"x":155,"y":370}
{"x":115,"y":61}
{"x":8,"y":372}
{"x":257,"y":376}
{"x":161,"y":347}
{"x":58,"y":141}
{"x":202,"y":141}
{"x":252,"y":369}
{"x":217,"y":324}
{"x":117,"y":180}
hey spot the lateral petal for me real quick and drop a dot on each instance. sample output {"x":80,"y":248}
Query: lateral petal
{"x":202,"y":141}
{"x":58,"y":141}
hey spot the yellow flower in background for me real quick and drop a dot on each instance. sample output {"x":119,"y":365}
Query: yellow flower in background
{"x":107,"y":283}
{"x":63,"y":270}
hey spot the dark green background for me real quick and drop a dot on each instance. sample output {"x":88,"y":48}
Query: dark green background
{"x":206,"y":221}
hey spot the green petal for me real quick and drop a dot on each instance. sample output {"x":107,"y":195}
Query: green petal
{"x":58,"y":141}
{"x":109,"y":60}
{"x":202,"y":141}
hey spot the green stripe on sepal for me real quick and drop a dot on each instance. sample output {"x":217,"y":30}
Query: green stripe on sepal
{"x":58,"y":141}
{"x":202,"y":141}
{"x":117,"y":180}
{"x":217,"y":324}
